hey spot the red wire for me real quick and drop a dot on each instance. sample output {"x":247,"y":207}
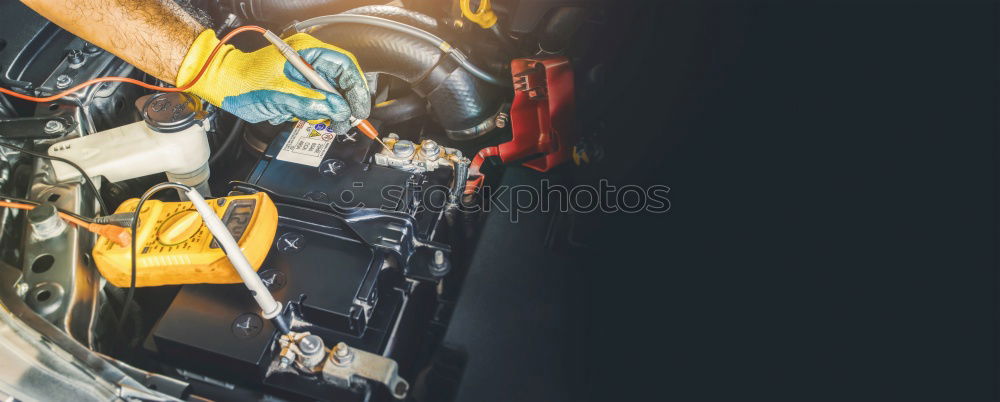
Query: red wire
{"x":476,"y":177}
{"x":87,"y":83}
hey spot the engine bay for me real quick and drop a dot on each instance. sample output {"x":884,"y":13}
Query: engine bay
{"x":363,"y":242}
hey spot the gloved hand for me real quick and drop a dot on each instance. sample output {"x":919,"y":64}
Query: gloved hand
{"x":262,"y":85}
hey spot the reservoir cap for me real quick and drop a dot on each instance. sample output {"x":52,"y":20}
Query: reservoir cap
{"x":170,"y":112}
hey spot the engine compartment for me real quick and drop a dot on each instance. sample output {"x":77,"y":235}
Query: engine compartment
{"x":372,"y":244}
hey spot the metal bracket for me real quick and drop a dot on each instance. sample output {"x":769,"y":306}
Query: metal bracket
{"x":346,"y":364}
{"x":50,"y":337}
{"x":61,"y":284}
{"x":35,"y":128}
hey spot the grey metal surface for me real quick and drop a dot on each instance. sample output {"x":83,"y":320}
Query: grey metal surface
{"x":40,"y":362}
{"x":33,"y":371}
{"x":62,"y":283}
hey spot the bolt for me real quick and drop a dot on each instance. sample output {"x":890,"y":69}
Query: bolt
{"x":285,"y":361}
{"x":501,"y":120}
{"x":403,"y":148}
{"x":342,"y":354}
{"x":439,"y":266}
{"x":45,"y":222}
{"x":430,"y":149}
{"x":53,"y":126}
{"x":310,"y":344}
{"x":63,"y":81}
{"x":21,"y":289}
{"x":75,"y":58}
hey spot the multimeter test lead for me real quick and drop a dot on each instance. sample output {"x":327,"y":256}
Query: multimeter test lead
{"x":270,"y":308}
{"x":303,"y":67}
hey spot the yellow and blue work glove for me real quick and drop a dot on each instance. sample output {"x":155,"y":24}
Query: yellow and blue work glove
{"x":262,"y":86}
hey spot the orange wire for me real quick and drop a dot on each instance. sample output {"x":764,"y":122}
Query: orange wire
{"x":16,"y":205}
{"x":87,"y":83}
{"x":118,"y":235}
{"x":28,"y":207}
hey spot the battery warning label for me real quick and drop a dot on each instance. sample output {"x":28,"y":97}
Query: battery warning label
{"x":307,"y":144}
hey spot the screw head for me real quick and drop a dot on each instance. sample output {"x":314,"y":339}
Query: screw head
{"x":403,"y":148}
{"x":21,"y":289}
{"x":53,"y":126}
{"x":430,"y":149}
{"x":63,"y":81}
{"x":311,"y":344}
{"x":75,"y":58}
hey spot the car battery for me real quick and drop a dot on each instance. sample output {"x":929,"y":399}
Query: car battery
{"x":341,"y":287}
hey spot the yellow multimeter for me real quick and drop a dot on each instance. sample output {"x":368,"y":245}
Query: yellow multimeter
{"x":174,"y":246}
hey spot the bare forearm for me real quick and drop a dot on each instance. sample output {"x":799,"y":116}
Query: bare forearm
{"x":153,"y":35}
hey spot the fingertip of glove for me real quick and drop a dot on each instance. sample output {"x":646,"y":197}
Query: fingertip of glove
{"x":361,"y":114}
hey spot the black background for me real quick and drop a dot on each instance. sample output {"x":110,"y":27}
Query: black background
{"x":832,"y":236}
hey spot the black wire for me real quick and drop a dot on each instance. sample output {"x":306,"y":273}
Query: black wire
{"x":505,"y":41}
{"x":233,"y":133}
{"x":135,"y":236}
{"x":86,"y":177}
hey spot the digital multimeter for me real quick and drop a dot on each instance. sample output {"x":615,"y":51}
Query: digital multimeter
{"x":174,"y":247}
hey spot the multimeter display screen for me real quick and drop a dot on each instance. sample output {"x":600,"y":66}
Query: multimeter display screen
{"x":237,"y":218}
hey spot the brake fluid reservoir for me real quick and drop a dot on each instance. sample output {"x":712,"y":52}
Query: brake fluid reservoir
{"x":170,"y":140}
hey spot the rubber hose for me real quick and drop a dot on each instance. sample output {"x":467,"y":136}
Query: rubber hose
{"x":230,"y":139}
{"x":464,"y":105}
{"x":437,"y":42}
{"x":397,"y":14}
{"x":283,"y":11}
{"x":399,"y":110}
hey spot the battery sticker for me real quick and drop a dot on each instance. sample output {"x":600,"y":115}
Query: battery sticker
{"x":307,"y":144}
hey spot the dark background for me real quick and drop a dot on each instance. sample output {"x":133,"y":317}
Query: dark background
{"x":833,"y":229}
{"x":832,"y":236}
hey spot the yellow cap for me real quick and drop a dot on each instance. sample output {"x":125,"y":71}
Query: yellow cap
{"x":483,"y":16}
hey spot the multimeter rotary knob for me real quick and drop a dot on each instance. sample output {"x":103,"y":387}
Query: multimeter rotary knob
{"x":179,"y":227}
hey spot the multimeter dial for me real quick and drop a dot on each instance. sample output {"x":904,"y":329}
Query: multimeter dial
{"x":179,"y":227}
